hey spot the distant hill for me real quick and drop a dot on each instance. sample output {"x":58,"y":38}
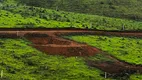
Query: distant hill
{"x":16,"y":15}
{"x":129,"y":9}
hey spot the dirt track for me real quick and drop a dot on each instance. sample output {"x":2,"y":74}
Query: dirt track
{"x":50,"y":42}
{"x":21,"y":32}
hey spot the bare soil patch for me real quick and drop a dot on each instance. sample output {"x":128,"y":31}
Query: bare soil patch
{"x":115,"y":68}
{"x":58,"y":46}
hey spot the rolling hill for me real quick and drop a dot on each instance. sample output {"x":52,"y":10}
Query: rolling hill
{"x":17,"y":15}
{"x":128,"y":9}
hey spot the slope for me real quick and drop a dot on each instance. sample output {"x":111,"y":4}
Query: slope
{"x":14,"y":15}
{"x":129,"y":9}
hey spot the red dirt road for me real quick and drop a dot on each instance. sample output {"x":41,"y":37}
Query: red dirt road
{"x":21,"y":32}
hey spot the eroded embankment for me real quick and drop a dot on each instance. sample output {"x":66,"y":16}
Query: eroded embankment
{"x":50,"y":42}
{"x":115,"y":68}
{"x":57,"y":46}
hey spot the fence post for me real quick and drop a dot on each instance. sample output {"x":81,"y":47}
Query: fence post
{"x":105,"y":74}
{"x":90,"y":25}
{"x":1,"y":74}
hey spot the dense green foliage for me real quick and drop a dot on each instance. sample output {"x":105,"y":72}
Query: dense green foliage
{"x":17,"y":15}
{"x":11,"y":20}
{"x":136,"y":77}
{"x":126,"y":49}
{"x":130,"y":9}
{"x":21,"y":62}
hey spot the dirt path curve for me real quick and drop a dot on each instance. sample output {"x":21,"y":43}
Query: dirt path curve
{"x":51,"y":42}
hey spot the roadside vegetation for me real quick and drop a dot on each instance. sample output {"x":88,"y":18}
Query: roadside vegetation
{"x":18,"y":61}
{"x":136,"y":77}
{"x":126,"y":49}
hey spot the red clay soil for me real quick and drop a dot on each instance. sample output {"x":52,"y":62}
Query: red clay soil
{"x":57,"y":46}
{"x":115,"y":67}
{"x":50,"y":42}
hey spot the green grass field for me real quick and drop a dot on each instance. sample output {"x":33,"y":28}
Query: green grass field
{"x":18,"y":61}
{"x":126,"y":49}
{"x":13,"y":15}
{"x":126,"y":9}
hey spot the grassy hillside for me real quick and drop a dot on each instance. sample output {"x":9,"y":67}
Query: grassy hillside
{"x":129,"y":9}
{"x":15,"y":15}
{"x":126,"y":49}
{"x":18,"y":61}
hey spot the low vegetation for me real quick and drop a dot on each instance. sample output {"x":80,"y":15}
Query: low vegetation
{"x":126,"y":49}
{"x":128,"y":9}
{"x":18,"y":61}
{"x":136,"y":77}
{"x":21,"y":16}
